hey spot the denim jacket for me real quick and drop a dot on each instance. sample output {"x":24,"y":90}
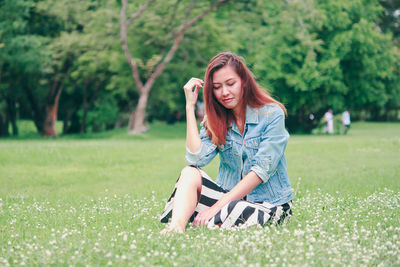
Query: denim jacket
{"x":261,"y":149}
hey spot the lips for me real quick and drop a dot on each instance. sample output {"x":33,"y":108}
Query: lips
{"x":227,"y":100}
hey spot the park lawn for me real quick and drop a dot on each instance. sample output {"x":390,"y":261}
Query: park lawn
{"x":96,"y":200}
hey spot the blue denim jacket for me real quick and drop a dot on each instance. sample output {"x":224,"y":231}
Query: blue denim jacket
{"x":261,"y":149}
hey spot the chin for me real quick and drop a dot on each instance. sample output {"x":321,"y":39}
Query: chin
{"x":231,"y":106}
{"x":227,"y":106}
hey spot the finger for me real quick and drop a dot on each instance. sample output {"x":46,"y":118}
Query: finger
{"x":197,"y":220}
{"x":192,"y":81}
{"x":199,"y":82}
{"x":197,"y":79}
{"x":200,"y":223}
{"x":200,"y":220}
{"x":204,"y":222}
{"x":189,"y":86}
{"x":197,"y":89}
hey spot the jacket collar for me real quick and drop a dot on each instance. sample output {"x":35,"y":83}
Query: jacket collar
{"x":251,"y":115}
{"x":251,"y":118}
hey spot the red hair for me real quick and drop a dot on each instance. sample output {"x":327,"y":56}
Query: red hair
{"x":219,"y":118}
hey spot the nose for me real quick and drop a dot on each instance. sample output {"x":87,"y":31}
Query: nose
{"x":225,"y":90}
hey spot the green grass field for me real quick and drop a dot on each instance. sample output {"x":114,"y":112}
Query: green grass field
{"x":96,"y":200}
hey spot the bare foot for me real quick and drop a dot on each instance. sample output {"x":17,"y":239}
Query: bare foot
{"x":170,"y":229}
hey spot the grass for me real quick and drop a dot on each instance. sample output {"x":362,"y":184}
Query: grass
{"x":96,"y":199}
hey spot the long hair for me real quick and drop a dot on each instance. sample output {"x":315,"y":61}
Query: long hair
{"x":219,"y":118}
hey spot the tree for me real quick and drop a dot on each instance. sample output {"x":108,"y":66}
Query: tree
{"x":23,"y":56}
{"x":390,"y":19}
{"x":66,"y":48}
{"x":88,"y":87}
{"x":315,"y":55}
{"x":157,"y":63}
{"x":63,"y":58}
{"x":73,"y":47}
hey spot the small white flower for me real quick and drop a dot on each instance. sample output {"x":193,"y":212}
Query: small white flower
{"x":298,"y":232}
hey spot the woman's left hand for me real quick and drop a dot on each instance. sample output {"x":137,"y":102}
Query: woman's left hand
{"x":204,"y":216}
{"x":245,"y":186}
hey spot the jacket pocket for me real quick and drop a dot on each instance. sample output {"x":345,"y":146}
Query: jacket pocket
{"x":226,"y":151}
{"x":252,"y":145}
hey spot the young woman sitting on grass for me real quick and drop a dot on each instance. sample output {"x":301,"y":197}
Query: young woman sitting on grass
{"x":246,"y":126}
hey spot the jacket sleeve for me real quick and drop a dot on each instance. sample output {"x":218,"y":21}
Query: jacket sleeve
{"x":272,"y":145}
{"x":205,"y":154}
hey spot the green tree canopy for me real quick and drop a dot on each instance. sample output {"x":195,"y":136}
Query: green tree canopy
{"x":64,"y":59}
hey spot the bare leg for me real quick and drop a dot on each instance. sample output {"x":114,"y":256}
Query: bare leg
{"x":185,"y":200}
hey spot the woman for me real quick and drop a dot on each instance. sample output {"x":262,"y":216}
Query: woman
{"x":245,"y":125}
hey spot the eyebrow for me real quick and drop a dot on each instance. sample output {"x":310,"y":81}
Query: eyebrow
{"x":225,"y":81}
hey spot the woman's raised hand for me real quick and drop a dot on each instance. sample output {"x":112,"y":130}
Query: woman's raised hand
{"x":190,"y":94}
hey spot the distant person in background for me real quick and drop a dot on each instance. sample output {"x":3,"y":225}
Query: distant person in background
{"x":346,"y":121}
{"x":328,"y":117}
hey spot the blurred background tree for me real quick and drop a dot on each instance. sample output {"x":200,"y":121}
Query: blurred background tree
{"x":315,"y":55}
{"x":62,"y":60}
{"x":23,"y":57}
{"x":165,"y":28}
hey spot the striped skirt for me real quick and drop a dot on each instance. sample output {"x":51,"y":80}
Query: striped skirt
{"x":236,"y":213}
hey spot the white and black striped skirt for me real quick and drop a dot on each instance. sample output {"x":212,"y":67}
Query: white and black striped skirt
{"x":236,"y":213}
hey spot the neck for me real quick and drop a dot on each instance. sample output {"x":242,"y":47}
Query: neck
{"x":239,"y":116}
{"x":239,"y":113}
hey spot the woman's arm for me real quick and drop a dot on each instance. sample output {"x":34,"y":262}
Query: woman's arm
{"x":199,"y":148}
{"x":244,"y":187}
{"x":193,"y":142}
{"x":272,"y":146}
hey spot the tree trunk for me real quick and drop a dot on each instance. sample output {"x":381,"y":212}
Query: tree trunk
{"x":50,"y":121}
{"x":51,"y":116}
{"x":3,"y":127}
{"x":14,"y":126}
{"x":85,"y":109}
{"x":131,"y":123}
{"x":37,"y":110}
{"x":66,"y":119}
{"x":12,"y":116}
{"x":139,"y":114}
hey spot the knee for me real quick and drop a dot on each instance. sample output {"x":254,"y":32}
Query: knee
{"x":190,"y":175}
{"x":190,"y":172}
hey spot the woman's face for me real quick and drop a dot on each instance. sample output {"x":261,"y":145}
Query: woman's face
{"x":227,"y":88}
